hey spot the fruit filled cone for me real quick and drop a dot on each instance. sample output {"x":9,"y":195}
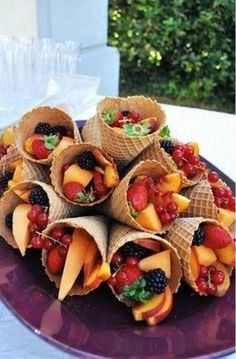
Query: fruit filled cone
{"x":155,"y":152}
{"x":58,"y":207}
{"x":117,"y":205}
{"x":203,"y":204}
{"x":51,"y":115}
{"x":122,"y":147}
{"x":91,"y":133}
{"x":95,"y":229}
{"x":79,"y":175}
{"x":181,"y":237}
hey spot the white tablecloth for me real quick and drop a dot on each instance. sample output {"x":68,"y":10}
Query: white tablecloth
{"x":214,"y":132}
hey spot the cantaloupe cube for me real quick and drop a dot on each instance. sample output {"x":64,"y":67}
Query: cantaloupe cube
{"x":148,"y":218}
{"x":76,"y":174}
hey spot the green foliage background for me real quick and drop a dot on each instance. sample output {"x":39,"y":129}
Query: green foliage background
{"x":182,"y":50}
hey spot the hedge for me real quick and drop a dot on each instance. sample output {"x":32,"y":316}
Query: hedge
{"x":175,"y":48}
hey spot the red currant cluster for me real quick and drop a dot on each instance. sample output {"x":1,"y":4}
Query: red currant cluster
{"x":38,"y":222}
{"x":208,"y":279}
{"x":223,"y":195}
{"x":128,"y":271}
{"x":187,"y":161}
{"x":3,"y":150}
{"x":124,"y":117}
{"x":165,"y":207}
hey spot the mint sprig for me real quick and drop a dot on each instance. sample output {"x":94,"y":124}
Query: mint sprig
{"x":50,"y":141}
{"x":165,"y":132}
{"x":109,"y":116}
{"x":136,"y":291}
{"x":137,"y":129}
{"x":133,"y":213}
{"x":84,"y":197}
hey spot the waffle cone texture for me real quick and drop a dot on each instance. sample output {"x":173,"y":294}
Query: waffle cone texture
{"x":12,"y":155}
{"x":68,"y":155}
{"x":155,"y":152}
{"x":96,"y":226}
{"x":117,"y":205}
{"x":181,"y":237}
{"x":52,"y":115}
{"x":58,"y":208}
{"x":91,"y":132}
{"x":120,"y":146}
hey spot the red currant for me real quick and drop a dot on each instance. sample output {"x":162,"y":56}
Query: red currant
{"x":57,"y":233}
{"x":67,"y":239}
{"x":213,"y":176}
{"x":131,"y":261}
{"x":117,"y":259}
{"x":211,"y":269}
{"x":225,"y":203}
{"x":194,"y":159}
{"x":135,"y":116}
{"x":112,"y":281}
{"x":32,"y":215}
{"x":188,"y":150}
{"x":172,"y":216}
{"x":179,"y":147}
{"x":203,"y":271}
{"x":203,"y":166}
{"x":48,"y":244}
{"x":165,"y":217}
{"x":36,"y":207}
{"x":121,"y":278}
{"x":65,"y":167}
{"x":211,"y":290}
{"x":217,"y":277}
{"x":218,"y":191}
{"x":159,"y":208}
{"x":202,"y":285}
{"x":33,"y":228}
{"x":177,"y":155}
{"x":188,"y":169}
{"x":218,"y":201}
{"x":101,"y":189}
{"x":37,"y":242}
{"x":228,"y":193}
{"x":180,"y":164}
{"x":63,"y":251}
{"x":171,"y":207}
{"x":232,"y":204}
{"x":42,"y":220}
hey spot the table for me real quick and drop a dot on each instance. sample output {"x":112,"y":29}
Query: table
{"x":214,"y":131}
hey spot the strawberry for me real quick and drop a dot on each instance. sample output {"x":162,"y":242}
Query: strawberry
{"x":42,"y":147}
{"x":133,"y":273}
{"x":137,"y":195}
{"x":55,"y":261}
{"x":215,"y":236}
{"x":72,"y":190}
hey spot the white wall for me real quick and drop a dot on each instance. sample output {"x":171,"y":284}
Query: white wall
{"x":18,"y":18}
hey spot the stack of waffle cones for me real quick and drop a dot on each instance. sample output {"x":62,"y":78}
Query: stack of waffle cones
{"x":155,"y":152}
{"x":120,"y":146}
{"x":181,"y":237}
{"x":53,"y":116}
{"x":69,"y":155}
{"x":96,"y":226}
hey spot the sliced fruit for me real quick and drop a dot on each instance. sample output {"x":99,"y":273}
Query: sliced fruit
{"x":23,"y":194}
{"x":76,"y":174}
{"x":206,"y":256}
{"x":181,"y":201}
{"x":194,"y":264}
{"x":14,"y":164}
{"x":28,"y":146}
{"x":111,"y":177}
{"x":152,"y":122}
{"x":64,"y":143}
{"x":105,"y":271}
{"x":93,"y":275}
{"x":99,"y":169}
{"x":100,"y":159}
{"x":100,"y":273}
{"x":165,"y":309}
{"x":17,"y":177}
{"x":11,"y":183}
{"x":144,"y":311}
{"x":75,"y":259}
{"x":222,"y":288}
{"x":160,"y":260}
{"x":90,"y":260}
{"x":149,"y":243}
{"x":226,"y":255}
{"x":8,"y":136}
{"x":20,"y":224}
{"x":195,"y":147}
{"x":170,"y":183}
{"x":149,"y":219}
{"x":226,"y":217}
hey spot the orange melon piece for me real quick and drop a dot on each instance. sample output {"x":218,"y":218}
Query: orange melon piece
{"x":14,"y":164}
{"x":76,"y":174}
{"x":111,"y":177}
{"x":170,"y":183}
{"x":160,"y":260}
{"x":90,"y":260}
{"x":226,"y":217}
{"x":17,"y":177}
{"x":20,"y":224}
{"x":149,"y":219}
{"x":194,"y":264}
{"x":206,"y":256}
{"x":181,"y":201}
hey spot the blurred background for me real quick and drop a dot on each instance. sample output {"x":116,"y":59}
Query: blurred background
{"x":181,"y":52}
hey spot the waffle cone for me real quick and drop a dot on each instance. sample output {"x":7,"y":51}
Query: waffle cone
{"x":96,"y":226}
{"x":58,"y":208}
{"x":155,"y":152}
{"x":181,"y":237}
{"x":91,"y":133}
{"x":52,"y":115}
{"x":117,"y":205}
{"x":35,"y":172}
{"x":12,"y":155}
{"x":120,"y":146}
{"x":120,"y":234}
{"x":67,"y":156}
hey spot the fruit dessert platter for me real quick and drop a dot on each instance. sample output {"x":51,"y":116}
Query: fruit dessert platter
{"x":126,"y":204}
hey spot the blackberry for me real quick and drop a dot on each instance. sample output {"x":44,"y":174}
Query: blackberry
{"x":125,"y":113}
{"x":86,"y":160}
{"x":156,"y":281}
{"x":7,"y":176}
{"x":168,"y":146}
{"x":132,"y":249}
{"x":44,"y":128}
{"x":198,"y":237}
{"x":59,"y":129}
{"x":38,"y":196}
{"x":8,"y":220}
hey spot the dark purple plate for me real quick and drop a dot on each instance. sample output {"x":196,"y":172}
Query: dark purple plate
{"x":98,"y":325}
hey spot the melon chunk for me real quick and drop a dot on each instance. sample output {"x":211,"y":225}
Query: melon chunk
{"x":181,"y":201}
{"x":14,"y":164}
{"x":23,"y":194}
{"x":111,"y":177}
{"x":90,"y":260}
{"x":194,"y":264}
{"x":170,"y":183}
{"x":17,"y":177}
{"x":160,"y":260}
{"x":226,"y":217}
{"x":75,"y":259}
{"x":20,"y":224}
{"x":226,"y":255}
{"x":76,"y":174}
{"x":206,"y":256}
{"x":149,"y":219}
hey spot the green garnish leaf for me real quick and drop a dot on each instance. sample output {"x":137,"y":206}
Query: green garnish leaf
{"x":50,"y":141}
{"x":136,"y":291}
{"x":132,"y":211}
{"x":85,"y":197}
{"x":109,"y":116}
{"x":137,"y":129}
{"x":165,"y":132}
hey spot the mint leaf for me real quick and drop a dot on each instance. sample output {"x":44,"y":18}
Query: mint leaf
{"x":137,"y":129}
{"x":50,"y":141}
{"x":109,"y":116}
{"x":85,"y":197}
{"x":136,"y":291}
{"x":165,"y":132}
{"x":132,"y":211}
